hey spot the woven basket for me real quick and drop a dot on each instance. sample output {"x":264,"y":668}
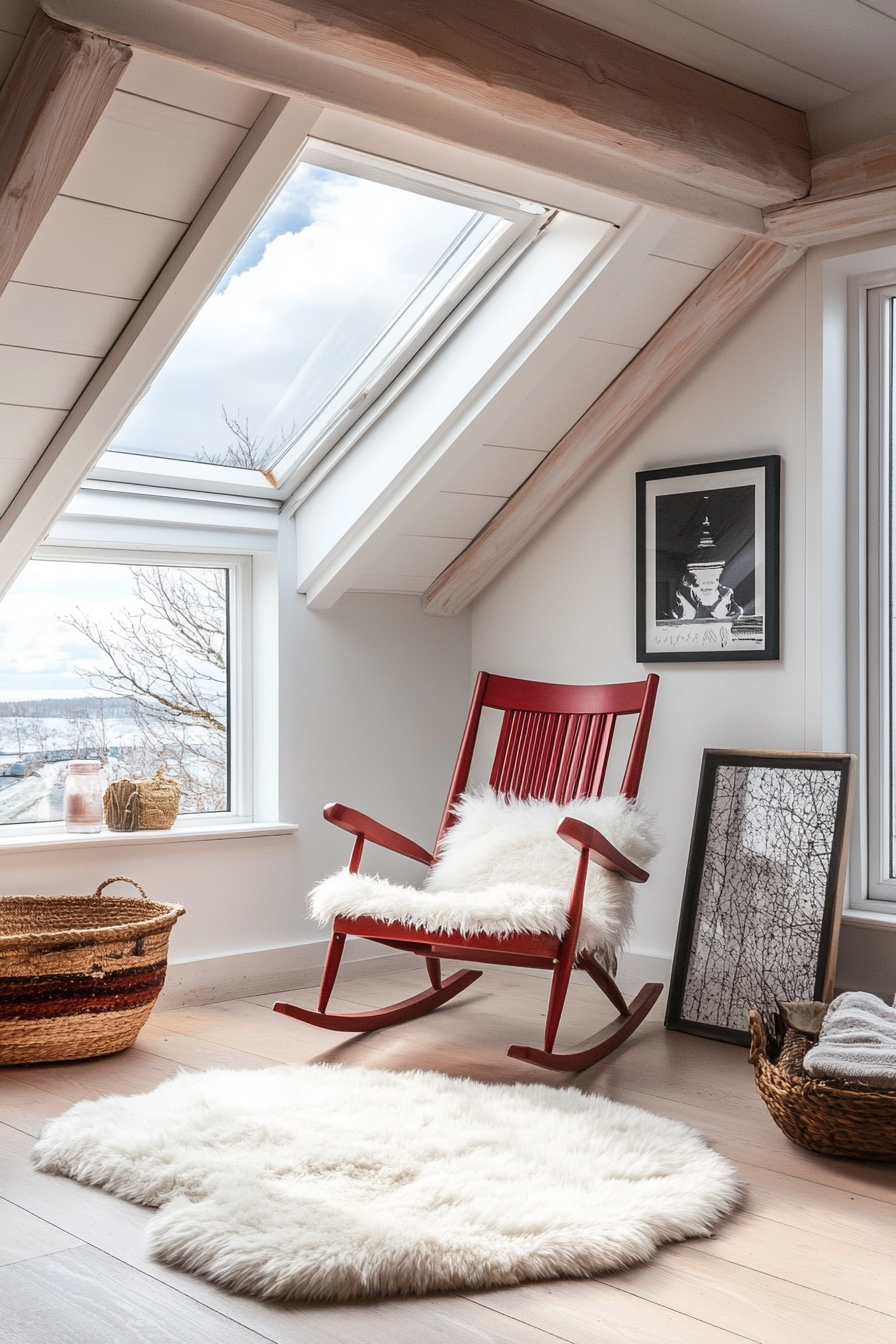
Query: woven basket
{"x":79,"y":974}
{"x":142,"y":804}
{"x":839,"y":1119}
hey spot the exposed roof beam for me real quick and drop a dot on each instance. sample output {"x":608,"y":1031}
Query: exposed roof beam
{"x":853,"y":194}
{"x":511,"y":67}
{"x":51,"y":100}
{"x":855,"y":169}
{"x":819,"y":222}
{"x":541,"y":66}
{"x":691,"y":333}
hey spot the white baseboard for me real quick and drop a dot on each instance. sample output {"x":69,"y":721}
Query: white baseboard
{"x":190,"y":984}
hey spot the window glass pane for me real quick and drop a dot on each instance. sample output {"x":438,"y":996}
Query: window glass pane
{"x":125,"y":663}
{"x":323,"y":293}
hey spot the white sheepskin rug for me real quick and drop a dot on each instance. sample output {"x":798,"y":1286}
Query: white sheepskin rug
{"x":503,"y":869}
{"x":326,"y":1183}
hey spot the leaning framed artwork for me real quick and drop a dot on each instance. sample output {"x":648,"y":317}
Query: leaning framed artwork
{"x":708,"y":561}
{"x":761,"y":910}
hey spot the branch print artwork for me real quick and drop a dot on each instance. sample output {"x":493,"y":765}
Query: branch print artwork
{"x":759,"y":912}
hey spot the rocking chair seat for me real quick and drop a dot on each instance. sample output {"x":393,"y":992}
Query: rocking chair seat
{"x":503,"y":870}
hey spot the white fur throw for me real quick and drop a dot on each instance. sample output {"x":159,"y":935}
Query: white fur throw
{"x":503,"y":869}
{"x":330,"y":1183}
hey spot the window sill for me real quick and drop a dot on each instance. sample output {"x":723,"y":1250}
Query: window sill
{"x":885,"y":919}
{"x":236,"y":830}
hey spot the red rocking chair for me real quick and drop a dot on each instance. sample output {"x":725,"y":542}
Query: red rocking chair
{"x":554,"y":744}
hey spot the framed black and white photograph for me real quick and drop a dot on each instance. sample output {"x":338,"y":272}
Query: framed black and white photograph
{"x":708,"y":561}
{"x":764,"y":887}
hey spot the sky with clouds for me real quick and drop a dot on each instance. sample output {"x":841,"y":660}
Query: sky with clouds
{"x":323,"y":272}
{"x":39,"y":653}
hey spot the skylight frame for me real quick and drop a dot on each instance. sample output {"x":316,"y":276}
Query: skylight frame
{"x":521,"y":222}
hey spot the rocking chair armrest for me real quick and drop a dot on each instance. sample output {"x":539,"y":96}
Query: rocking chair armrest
{"x":356,"y":823}
{"x":582,"y":836}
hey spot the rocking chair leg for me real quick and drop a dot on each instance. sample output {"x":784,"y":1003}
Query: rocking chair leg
{"x":604,"y":981}
{"x":434,"y":967}
{"x":331,"y":967}
{"x":559,"y":986}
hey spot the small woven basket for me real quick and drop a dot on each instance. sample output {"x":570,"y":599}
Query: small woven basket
{"x":839,"y":1119}
{"x":79,"y":975}
{"x":142,"y":804}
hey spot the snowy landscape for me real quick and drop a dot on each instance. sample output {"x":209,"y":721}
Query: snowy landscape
{"x":38,"y":738}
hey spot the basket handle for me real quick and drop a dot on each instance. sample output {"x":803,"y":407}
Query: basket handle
{"x":110,"y":880}
{"x":758,"y":1038}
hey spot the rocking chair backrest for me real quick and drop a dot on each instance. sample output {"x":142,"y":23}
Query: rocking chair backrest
{"x":555,"y":740}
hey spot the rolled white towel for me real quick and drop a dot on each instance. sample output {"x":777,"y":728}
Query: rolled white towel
{"x":857,"y":1042}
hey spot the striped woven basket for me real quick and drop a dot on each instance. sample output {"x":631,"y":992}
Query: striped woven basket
{"x":839,"y":1119}
{"x":79,"y":974}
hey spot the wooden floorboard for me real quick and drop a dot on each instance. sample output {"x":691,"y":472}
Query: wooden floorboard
{"x":766,"y":1308}
{"x":82,"y":1296}
{"x":24,"y":1237}
{"x":599,"y":1313}
{"x":806,"y":1260}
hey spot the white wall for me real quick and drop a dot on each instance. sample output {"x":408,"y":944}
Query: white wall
{"x":565,"y":609}
{"x":373,"y":698}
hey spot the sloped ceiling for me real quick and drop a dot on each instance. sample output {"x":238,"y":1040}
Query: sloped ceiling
{"x":399,"y":529}
{"x":164,"y":140}
{"x":171,"y":130}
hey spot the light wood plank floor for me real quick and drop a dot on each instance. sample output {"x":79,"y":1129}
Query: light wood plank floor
{"x":808,"y":1260}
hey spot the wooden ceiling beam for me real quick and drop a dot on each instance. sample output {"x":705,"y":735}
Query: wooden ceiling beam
{"x":853,"y":195}
{"x":692,"y":333}
{"x":50,"y":102}
{"x":512,"y":61}
{"x":854,"y":170}
{"x":819,"y":222}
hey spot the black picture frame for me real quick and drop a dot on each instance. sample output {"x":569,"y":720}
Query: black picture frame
{"x":760,"y":916}
{"x":708,"y":561}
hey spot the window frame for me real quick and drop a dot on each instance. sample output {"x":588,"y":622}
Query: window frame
{"x":878,"y":464}
{"x":241,"y":706}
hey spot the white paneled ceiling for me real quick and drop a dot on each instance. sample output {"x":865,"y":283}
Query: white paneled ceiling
{"x":162,"y":143}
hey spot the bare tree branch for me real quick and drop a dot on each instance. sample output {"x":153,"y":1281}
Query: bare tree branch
{"x":248,"y":450}
{"x":168,"y":656}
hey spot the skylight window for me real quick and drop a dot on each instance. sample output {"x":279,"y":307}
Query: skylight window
{"x":339,"y":285}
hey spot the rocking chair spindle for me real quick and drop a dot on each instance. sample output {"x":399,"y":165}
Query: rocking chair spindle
{"x":554,"y":744}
